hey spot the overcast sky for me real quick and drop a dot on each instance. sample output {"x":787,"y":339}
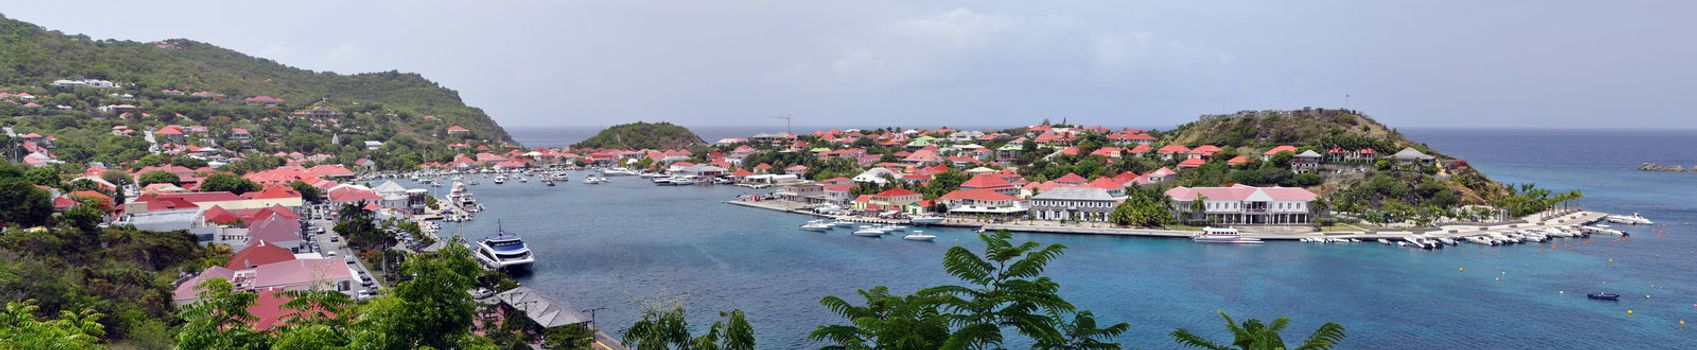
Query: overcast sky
{"x":1541,"y":63}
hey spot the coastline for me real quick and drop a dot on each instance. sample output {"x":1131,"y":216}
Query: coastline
{"x":1541,"y":220}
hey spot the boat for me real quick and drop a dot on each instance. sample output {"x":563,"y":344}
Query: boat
{"x":592,"y":179}
{"x":504,"y":251}
{"x":500,"y":179}
{"x":1383,"y":241}
{"x":682,"y":181}
{"x":1633,"y":219}
{"x":869,"y":231}
{"x":1602,"y":229}
{"x":618,"y":172}
{"x":919,"y":236}
{"x":1603,"y":296}
{"x":816,"y":226}
{"x":842,"y":224}
{"x":926,"y":220}
{"x":661,"y":180}
{"x":1224,"y":236}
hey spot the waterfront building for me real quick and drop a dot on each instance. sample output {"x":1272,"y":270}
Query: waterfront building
{"x":1245,"y":205}
{"x":991,"y":182}
{"x":982,"y":202}
{"x":1073,"y":204}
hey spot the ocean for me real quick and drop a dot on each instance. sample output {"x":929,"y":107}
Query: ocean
{"x":616,"y":245}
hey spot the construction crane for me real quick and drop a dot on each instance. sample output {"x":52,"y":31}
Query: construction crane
{"x":787,"y":120}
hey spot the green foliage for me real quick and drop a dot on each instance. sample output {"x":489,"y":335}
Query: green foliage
{"x":1527,"y":199}
{"x":19,"y":329}
{"x":360,"y":228}
{"x":25,"y":204}
{"x":1005,"y":288}
{"x":220,"y":320}
{"x":158,"y":177}
{"x":570,"y":337}
{"x":663,"y":326}
{"x":1145,"y":207}
{"x":432,"y":309}
{"x":43,"y":177}
{"x":642,"y":135}
{"x":1252,"y":334}
{"x":228,"y":182}
{"x":308,"y":193}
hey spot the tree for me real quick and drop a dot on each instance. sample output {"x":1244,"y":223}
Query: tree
{"x":1006,"y":289}
{"x":432,"y":309}
{"x":569,"y":337}
{"x":25,"y":204}
{"x":1081,"y":333}
{"x":158,"y":177}
{"x":1142,"y":207}
{"x":228,"y":182}
{"x":19,"y":329}
{"x":885,"y":322}
{"x":308,"y":193}
{"x":663,"y":326}
{"x":360,"y":228}
{"x":220,"y":319}
{"x":1255,"y":335}
{"x":44,"y":177}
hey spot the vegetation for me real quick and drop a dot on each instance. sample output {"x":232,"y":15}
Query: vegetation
{"x":408,"y":113}
{"x":642,"y":135}
{"x":1255,"y":335}
{"x":1146,"y":207}
{"x":663,"y":326}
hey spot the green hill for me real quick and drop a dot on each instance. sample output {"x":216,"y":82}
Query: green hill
{"x":158,"y":79}
{"x":1357,"y":186}
{"x":642,"y":135}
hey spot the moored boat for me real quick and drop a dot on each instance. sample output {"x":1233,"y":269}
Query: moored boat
{"x":1223,"y":236}
{"x":919,"y":236}
{"x":927,"y":220}
{"x":504,"y":251}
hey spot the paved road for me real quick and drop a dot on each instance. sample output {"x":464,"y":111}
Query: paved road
{"x":329,"y":241}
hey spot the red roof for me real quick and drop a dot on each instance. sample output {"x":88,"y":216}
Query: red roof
{"x":1072,"y":178}
{"x":1169,"y":149}
{"x":1279,"y":149}
{"x":986,"y":181}
{"x":1238,"y":160}
{"x":896,"y":192}
{"x":977,"y":195}
{"x":1192,"y":163}
{"x":457,"y":128}
{"x":258,"y":253}
{"x":219,"y":216}
{"x":1106,"y":184}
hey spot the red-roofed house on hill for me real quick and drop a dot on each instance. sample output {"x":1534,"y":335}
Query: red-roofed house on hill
{"x":990,"y":182}
{"x":1246,"y":205}
{"x":258,"y":253}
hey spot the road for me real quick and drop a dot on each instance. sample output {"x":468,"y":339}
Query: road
{"x":329,"y":241}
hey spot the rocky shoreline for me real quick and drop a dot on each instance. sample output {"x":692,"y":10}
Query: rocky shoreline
{"x":1659,"y":167}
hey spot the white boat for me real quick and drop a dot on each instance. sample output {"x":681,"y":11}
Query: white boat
{"x":619,"y":172}
{"x":504,"y":251}
{"x":816,"y":226}
{"x":927,"y":220}
{"x":919,"y":236}
{"x":842,"y":224}
{"x":1224,"y":236}
{"x":591,"y":179}
{"x":894,"y":228}
{"x":682,"y":181}
{"x":1383,"y":241}
{"x":500,"y":179}
{"x":1602,"y":230}
{"x":1633,"y":219}
{"x":869,"y":231}
{"x":661,"y":180}
{"x":1446,"y":240}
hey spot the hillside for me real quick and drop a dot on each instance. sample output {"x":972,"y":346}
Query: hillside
{"x":185,"y":82}
{"x":641,"y":135}
{"x":1349,"y":186}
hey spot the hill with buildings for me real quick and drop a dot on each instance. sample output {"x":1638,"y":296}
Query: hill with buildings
{"x":80,"y":89}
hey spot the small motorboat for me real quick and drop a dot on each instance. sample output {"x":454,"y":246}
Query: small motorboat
{"x":926,"y":220}
{"x":816,"y":226}
{"x":843,"y":224}
{"x":869,"y":231}
{"x":1604,"y":296}
{"x":919,"y":236}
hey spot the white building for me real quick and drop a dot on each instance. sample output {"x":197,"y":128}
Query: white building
{"x":1248,"y":205}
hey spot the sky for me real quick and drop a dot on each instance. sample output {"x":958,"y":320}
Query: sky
{"x":1542,"y":64}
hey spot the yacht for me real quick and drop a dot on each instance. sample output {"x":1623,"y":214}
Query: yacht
{"x":1602,"y":229}
{"x":869,"y":231}
{"x":592,"y":179}
{"x":1223,"y":235}
{"x":500,"y":179}
{"x":1634,"y":219}
{"x":927,"y":220}
{"x":504,"y":251}
{"x":919,"y":236}
{"x":618,"y":172}
{"x":816,"y":226}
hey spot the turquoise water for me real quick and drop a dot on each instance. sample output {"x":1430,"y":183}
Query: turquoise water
{"x":616,"y":244}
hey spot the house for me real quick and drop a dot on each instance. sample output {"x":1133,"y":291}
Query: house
{"x":373,"y":145}
{"x":1072,"y":179}
{"x":457,"y":130}
{"x":1073,"y":204}
{"x":1009,"y":152}
{"x":1203,"y":152}
{"x":1168,"y":152}
{"x":284,"y":232}
{"x":982,"y":202}
{"x":1268,"y":155}
{"x":990,"y":182}
{"x":877,"y":175}
{"x":892,"y":199}
{"x":1245,"y":205}
{"x":1306,"y":162}
{"x":240,"y":134}
{"x":1411,"y":156}
{"x":300,"y":273}
{"x":544,"y":312}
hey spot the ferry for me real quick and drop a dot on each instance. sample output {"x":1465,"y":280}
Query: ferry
{"x":504,"y":251}
{"x":1224,"y":236}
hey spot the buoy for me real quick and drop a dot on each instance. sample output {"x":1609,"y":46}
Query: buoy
{"x":1461,"y":269}
{"x":1628,"y":312}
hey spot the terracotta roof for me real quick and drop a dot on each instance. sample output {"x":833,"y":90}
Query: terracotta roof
{"x":986,"y":180}
{"x":1072,"y":178}
{"x":977,"y":195}
{"x":258,"y":253}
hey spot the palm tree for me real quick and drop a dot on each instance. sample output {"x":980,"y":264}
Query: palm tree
{"x":1255,"y":335}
